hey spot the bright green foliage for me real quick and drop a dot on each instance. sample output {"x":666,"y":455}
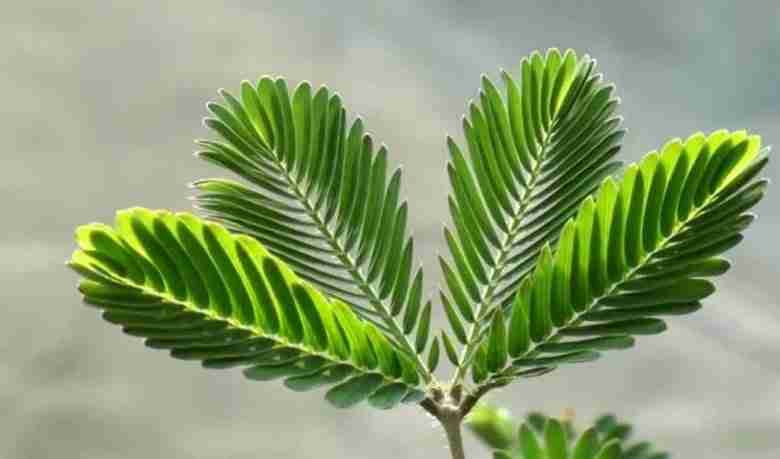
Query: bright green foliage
{"x":640,"y":249}
{"x":540,"y":437}
{"x":318,"y":196}
{"x":192,"y":287}
{"x":534,"y":153}
{"x":494,"y":426}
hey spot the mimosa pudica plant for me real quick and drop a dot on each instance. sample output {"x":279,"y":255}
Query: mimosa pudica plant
{"x":300,"y":268}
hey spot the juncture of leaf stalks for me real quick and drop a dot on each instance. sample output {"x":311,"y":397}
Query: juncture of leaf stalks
{"x":301,"y":268}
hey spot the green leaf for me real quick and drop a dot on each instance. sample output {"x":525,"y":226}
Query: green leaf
{"x":449,"y":348}
{"x":317,"y":193}
{"x":642,"y":326}
{"x":626,"y":259}
{"x":534,"y":151}
{"x":587,"y":445}
{"x":411,"y":314}
{"x":493,"y":426}
{"x":529,"y":445}
{"x":602,"y":343}
{"x":354,"y":391}
{"x":423,"y":328}
{"x":555,"y":440}
{"x":433,"y":356}
{"x":192,"y":287}
{"x":497,"y":343}
{"x":388,"y":396}
{"x":325,"y":377}
{"x":610,"y":450}
{"x":462,"y":301}
{"x":620,"y":269}
{"x":620,"y":314}
{"x":570,"y":357}
{"x":682,"y":291}
{"x":519,"y":334}
{"x":455,"y":322}
{"x":638,"y":451}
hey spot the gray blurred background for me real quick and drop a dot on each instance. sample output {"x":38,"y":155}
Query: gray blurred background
{"x":101,"y":101}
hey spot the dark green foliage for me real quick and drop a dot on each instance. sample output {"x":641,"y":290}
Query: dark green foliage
{"x":318,"y":195}
{"x":534,"y":153}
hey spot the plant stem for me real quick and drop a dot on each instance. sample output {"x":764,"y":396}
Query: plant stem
{"x":451,"y":423}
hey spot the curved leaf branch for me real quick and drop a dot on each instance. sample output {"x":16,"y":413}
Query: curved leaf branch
{"x":640,"y":249}
{"x":207,"y":295}
{"x":320,"y":200}
{"x":533,"y":156}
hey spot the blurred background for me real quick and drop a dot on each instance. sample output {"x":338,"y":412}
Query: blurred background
{"x":101,"y":101}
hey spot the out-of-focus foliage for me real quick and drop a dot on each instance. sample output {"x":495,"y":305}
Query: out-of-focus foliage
{"x":542,"y":437}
